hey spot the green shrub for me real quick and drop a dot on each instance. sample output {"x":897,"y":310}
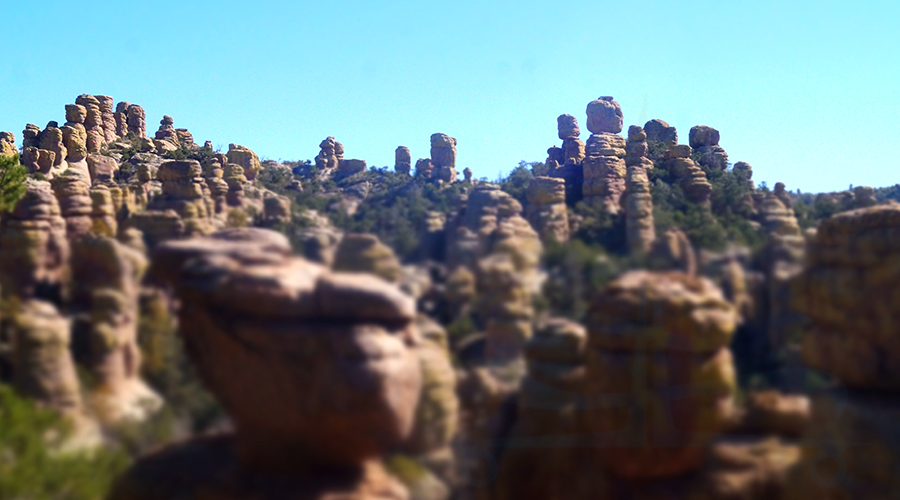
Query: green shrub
{"x":33,"y":465}
{"x":12,"y":182}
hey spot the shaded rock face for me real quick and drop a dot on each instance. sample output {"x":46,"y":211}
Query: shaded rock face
{"x":39,"y":160}
{"x":604,"y":116}
{"x":648,"y":334}
{"x":364,"y":253}
{"x":106,"y":276}
{"x":35,"y":253}
{"x":547,"y":210}
{"x":319,"y":238}
{"x":43,"y":366}
{"x":121,"y":117}
{"x":660,"y":131}
{"x":276,"y":210}
{"x":402,"y":160}
{"x":852,"y":318}
{"x":52,"y":140}
{"x":72,"y":190}
{"x":108,"y":117}
{"x":246,"y":159}
{"x":345,"y":395}
{"x":639,"y":228}
{"x":183,"y":192}
{"x":604,"y":172}
{"x":424,"y":168}
{"x":504,"y":300}
{"x":31,"y":136}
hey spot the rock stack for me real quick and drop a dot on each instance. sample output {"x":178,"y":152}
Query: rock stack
{"x":121,"y":117}
{"x":705,"y":140}
{"x":108,"y":116}
{"x":349,"y":167}
{"x":245,"y":158}
{"x":93,"y":122}
{"x":639,"y":229}
{"x":318,"y":237}
{"x":276,"y":210}
{"x":39,"y":161}
{"x":603,"y":166}
{"x":402,"y":160}
{"x":545,"y":455}
{"x":31,"y":136}
{"x":8,"y":144}
{"x":572,"y":147}
{"x":443,"y":157}
{"x":547,"y":210}
{"x":467,"y":175}
{"x":660,"y":131}
{"x":106,"y":276}
{"x":364,"y":253}
{"x":136,"y":120}
{"x":166,"y":133}
{"x":353,"y":331}
{"x":327,"y":160}
{"x":504,"y":304}
{"x":182,"y":189}
{"x":687,"y":174}
{"x":235,"y":179}
{"x":52,"y":140}
{"x":660,"y":380}
{"x":72,"y":189}
{"x":35,"y":256}
{"x":75,"y":138}
{"x":218,"y":188}
{"x":848,"y":290}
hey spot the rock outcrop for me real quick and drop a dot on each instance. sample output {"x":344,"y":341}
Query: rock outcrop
{"x":182,"y":190}
{"x":108,"y":117}
{"x":72,"y":189}
{"x":604,"y":171}
{"x":604,"y":116}
{"x":660,"y":131}
{"x":347,"y":396}
{"x":639,"y":229}
{"x":572,"y":147}
{"x":246,"y":159}
{"x":424,"y":168}
{"x":364,"y":253}
{"x":705,"y":140}
{"x":672,"y":251}
{"x":93,"y":122}
{"x":52,"y":140}
{"x":402,"y":160}
{"x":136,"y":120}
{"x":687,"y":174}
{"x":327,"y":160}
{"x":547,"y":210}
{"x":660,"y":380}
{"x":8,"y":144}
{"x":443,"y":157}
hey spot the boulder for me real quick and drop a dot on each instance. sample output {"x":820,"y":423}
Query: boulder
{"x":604,"y":116}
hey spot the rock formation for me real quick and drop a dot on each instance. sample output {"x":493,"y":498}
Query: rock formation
{"x":103,"y":212}
{"x":8,"y":144}
{"x":39,"y":161}
{"x":364,"y":253}
{"x":276,"y":210}
{"x":349,"y":167}
{"x":424,"y":168}
{"x":318,"y":238}
{"x":75,"y":137}
{"x":182,"y":190}
{"x":121,"y":118}
{"x":31,"y":136}
{"x":72,"y":190}
{"x":354,"y":332}
{"x":327,"y":160}
{"x":705,"y":140}
{"x":572,"y":147}
{"x":848,"y":292}
{"x":402,"y":160}
{"x":687,"y":174}
{"x":93,"y":122}
{"x":108,"y":116}
{"x":504,"y":302}
{"x":467,"y":175}
{"x":166,"y":132}
{"x":443,"y":150}
{"x":106,"y":276}
{"x":136,"y":120}
{"x":660,"y":380}
{"x":660,"y":131}
{"x":42,"y":363}
{"x":52,"y":140}
{"x":604,"y":116}
{"x":547,"y":210}
{"x":235,"y":179}
{"x":672,"y":251}
{"x":245,"y":158}
{"x":604,"y":171}
{"x":639,"y":229}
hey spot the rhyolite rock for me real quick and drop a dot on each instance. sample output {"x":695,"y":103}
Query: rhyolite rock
{"x":604,"y":116}
{"x":402,"y":160}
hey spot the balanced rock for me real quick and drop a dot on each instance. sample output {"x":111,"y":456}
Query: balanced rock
{"x":327,"y":160}
{"x":31,"y":136}
{"x":567,"y":127}
{"x":660,"y":131}
{"x":245,"y":158}
{"x":706,"y":141}
{"x":604,"y":171}
{"x":443,"y":150}
{"x":402,"y":160}
{"x":604,"y":116}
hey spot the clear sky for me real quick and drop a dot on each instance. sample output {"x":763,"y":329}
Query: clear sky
{"x":808,"y":92}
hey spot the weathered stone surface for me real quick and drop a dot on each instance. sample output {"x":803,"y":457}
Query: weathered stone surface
{"x":31,"y":136}
{"x":72,"y":189}
{"x":43,"y":366}
{"x":350,"y":167}
{"x":467,"y":174}
{"x":689,"y":176}
{"x":351,"y":330}
{"x":121,"y":118}
{"x":103,"y":212}
{"x":402,"y":160}
{"x":107,"y":110}
{"x":672,"y":251}
{"x":567,"y":127}
{"x":660,"y":380}
{"x":547,"y":210}
{"x":364,"y":253}
{"x":573,"y":151}
{"x":772,"y":412}
{"x":847,"y":291}
{"x":107,"y":277}
{"x":702,"y":136}
{"x":424,"y":168}
{"x":604,"y":172}
{"x":39,"y":160}
{"x":660,"y":131}
{"x":246,"y":158}
{"x":443,"y":150}
{"x":101,"y":168}
{"x":604,"y":116}
{"x":327,"y":160}
{"x":639,"y":229}
{"x":136,"y":120}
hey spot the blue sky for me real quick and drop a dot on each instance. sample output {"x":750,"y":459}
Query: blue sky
{"x":806,"y":92}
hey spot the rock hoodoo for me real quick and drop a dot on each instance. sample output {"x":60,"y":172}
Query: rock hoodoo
{"x":547,"y":210}
{"x":402,"y":160}
{"x":639,"y":228}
